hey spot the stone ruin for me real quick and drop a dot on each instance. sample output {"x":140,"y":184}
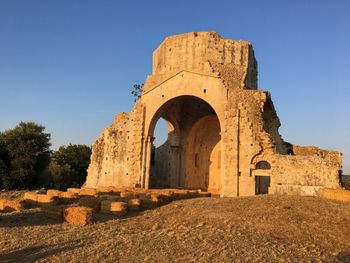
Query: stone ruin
{"x":222,"y":130}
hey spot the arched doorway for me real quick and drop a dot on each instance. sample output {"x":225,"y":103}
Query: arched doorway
{"x":262,"y":177}
{"x":191,"y":156}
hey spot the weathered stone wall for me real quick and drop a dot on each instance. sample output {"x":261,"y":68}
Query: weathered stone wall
{"x":251,"y":129}
{"x":116,"y":155}
{"x":161,"y":167}
{"x":197,"y":76}
{"x":202,"y":155}
{"x":197,"y":52}
{"x":306,"y":170}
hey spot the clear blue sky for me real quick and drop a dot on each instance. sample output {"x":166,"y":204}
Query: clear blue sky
{"x":70,"y":65}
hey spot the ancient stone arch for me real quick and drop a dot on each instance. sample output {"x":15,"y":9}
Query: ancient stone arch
{"x":187,"y":158}
{"x":219,"y":127}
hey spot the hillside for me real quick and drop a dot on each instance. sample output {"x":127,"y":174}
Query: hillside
{"x":245,"y":229}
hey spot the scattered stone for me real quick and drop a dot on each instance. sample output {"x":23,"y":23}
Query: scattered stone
{"x":200,"y":224}
{"x":155,"y":227}
{"x":78,"y":215}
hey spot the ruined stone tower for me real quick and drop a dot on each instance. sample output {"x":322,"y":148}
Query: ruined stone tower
{"x":222,"y":131}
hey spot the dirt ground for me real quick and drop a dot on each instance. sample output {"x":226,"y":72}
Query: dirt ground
{"x":245,"y":229}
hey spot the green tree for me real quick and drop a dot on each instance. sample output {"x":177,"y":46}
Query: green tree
{"x":77,"y":158}
{"x":59,"y":176}
{"x":5,"y":164}
{"x":137,"y":91}
{"x":24,"y":155}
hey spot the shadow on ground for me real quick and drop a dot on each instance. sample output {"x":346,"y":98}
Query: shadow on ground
{"x":31,"y":217}
{"x":344,"y":256}
{"x":32,"y":254}
{"x":36,"y":217}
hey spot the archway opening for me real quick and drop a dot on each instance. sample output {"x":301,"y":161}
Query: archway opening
{"x":264,"y":165}
{"x":160,"y":133}
{"x":262,"y":177}
{"x":190,"y":157}
{"x":162,"y":154}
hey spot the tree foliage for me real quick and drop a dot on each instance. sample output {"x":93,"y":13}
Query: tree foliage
{"x":59,"y":176}
{"x":137,"y":91}
{"x":5,"y":164}
{"x":26,"y":161}
{"x":24,"y":155}
{"x":73,"y":161}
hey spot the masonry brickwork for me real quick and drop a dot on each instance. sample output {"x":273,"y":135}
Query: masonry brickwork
{"x":222,"y":130}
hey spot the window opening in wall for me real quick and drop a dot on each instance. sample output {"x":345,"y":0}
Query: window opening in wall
{"x":263,"y":165}
{"x":160,"y":132}
{"x":196,"y":160}
{"x":262,"y":184}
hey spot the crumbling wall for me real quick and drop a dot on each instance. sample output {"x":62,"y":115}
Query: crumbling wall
{"x":310,"y":151}
{"x":116,"y":155}
{"x":307,"y":170}
{"x":160,"y":175}
{"x":196,"y":52}
{"x":297,"y":173}
{"x":249,"y":128}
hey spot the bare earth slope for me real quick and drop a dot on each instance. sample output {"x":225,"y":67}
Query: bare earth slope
{"x":245,"y":229}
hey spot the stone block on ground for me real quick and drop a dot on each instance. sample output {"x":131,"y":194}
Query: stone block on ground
{"x":193,"y":193}
{"x":88,"y":192}
{"x":8,"y":205}
{"x":151,"y":201}
{"x":134,"y":204}
{"x":69,"y":196}
{"x":168,"y":194}
{"x":46,"y":199}
{"x":78,"y":215}
{"x":54,"y":192}
{"x":128,"y":194}
{"x":30,"y":197}
{"x":204,"y":194}
{"x":181,"y":194}
{"x":73,"y":190}
{"x":114,"y":207}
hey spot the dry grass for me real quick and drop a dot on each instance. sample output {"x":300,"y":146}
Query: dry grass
{"x":336,"y":194}
{"x":245,"y":229}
